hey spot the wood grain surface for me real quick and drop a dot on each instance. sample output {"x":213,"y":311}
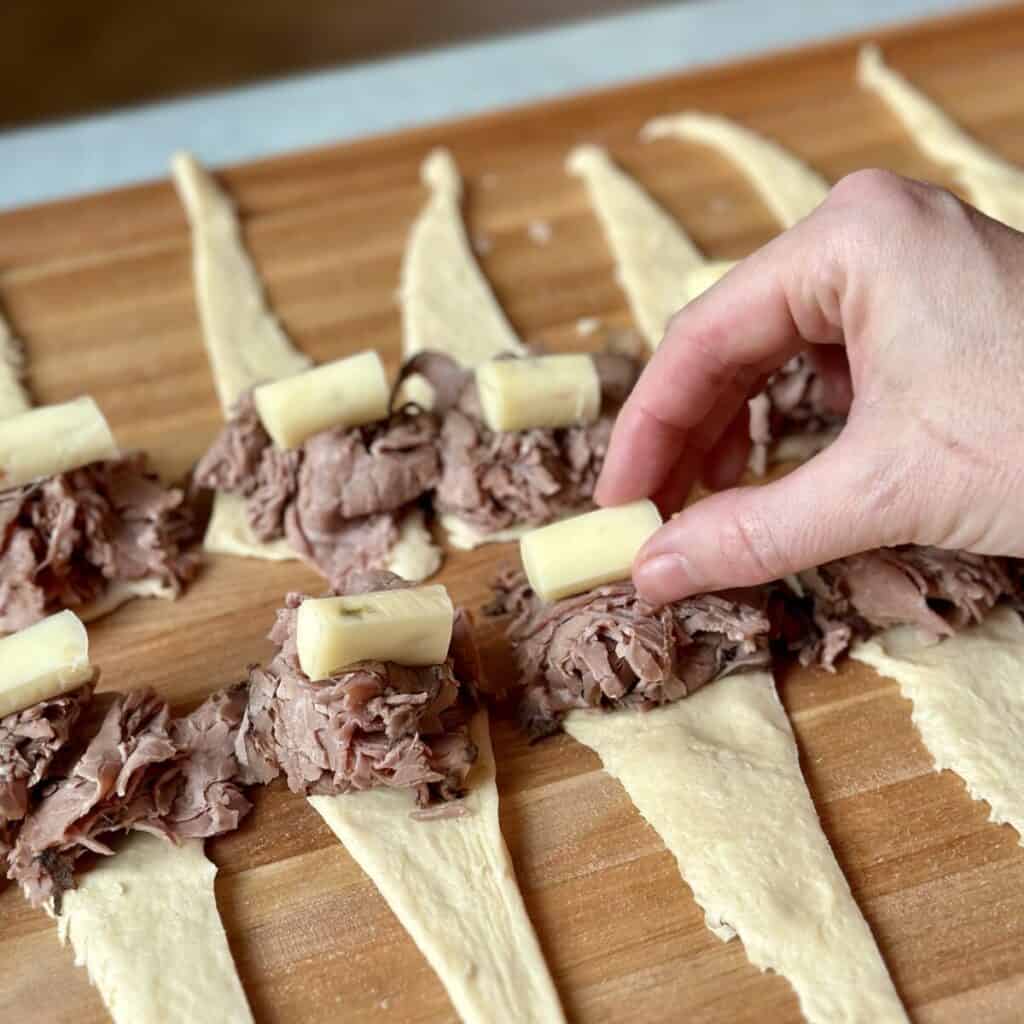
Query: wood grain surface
{"x":100,"y":288}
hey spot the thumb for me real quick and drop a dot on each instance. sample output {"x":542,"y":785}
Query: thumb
{"x":835,"y":505}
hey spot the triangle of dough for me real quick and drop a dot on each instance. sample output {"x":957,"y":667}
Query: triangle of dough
{"x":653,"y":254}
{"x":144,"y":923}
{"x":994,"y":185}
{"x":718,"y":777}
{"x":789,"y":187}
{"x":447,"y":304}
{"x":244,"y":341}
{"x":967,"y":704}
{"x":246,"y":345}
{"x":453,"y":869}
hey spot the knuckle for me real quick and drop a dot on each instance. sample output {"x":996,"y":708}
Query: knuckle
{"x":888,"y":201}
{"x":871,"y":185}
{"x":748,"y":546}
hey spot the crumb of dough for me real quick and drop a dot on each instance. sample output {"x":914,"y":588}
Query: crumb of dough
{"x":720,"y":204}
{"x":539,"y":231}
{"x":483,"y":244}
{"x":587,"y":325}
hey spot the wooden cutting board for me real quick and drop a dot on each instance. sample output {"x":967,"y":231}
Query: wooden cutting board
{"x":100,"y":288}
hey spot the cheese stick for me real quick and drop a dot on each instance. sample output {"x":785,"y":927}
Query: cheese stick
{"x":409,"y":627}
{"x":700,"y":279}
{"x":586,"y":551}
{"x":546,"y":391}
{"x":346,"y":393}
{"x":53,"y":439}
{"x":43,"y":661}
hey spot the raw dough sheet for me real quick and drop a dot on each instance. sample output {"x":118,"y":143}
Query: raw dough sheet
{"x":968,"y":703}
{"x":436,"y":873}
{"x":993,"y":185}
{"x":144,"y":923}
{"x":246,"y":346}
{"x":718,"y":777}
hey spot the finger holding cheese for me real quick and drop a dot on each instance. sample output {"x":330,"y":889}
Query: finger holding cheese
{"x":53,"y":439}
{"x":43,"y":661}
{"x":546,"y":391}
{"x":346,"y":393}
{"x":587,"y":551}
{"x":409,"y":627}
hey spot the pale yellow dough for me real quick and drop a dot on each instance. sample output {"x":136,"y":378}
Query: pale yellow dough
{"x":451,"y":883}
{"x":993,"y":185}
{"x":447,"y":304}
{"x":967,"y":694}
{"x":653,"y":254}
{"x":789,"y":187}
{"x":415,"y":556}
{"x":229,"y":533}
{"x":247,"y":346}
{"x":14,"y":398}
{"x":144,"y":924}
{"x":718,"y":777}
{"x":244,"y":340}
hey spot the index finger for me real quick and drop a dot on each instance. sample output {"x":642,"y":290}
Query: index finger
{"x":748,"y":324}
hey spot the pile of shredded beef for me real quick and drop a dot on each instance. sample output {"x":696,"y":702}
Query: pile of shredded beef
{"x":610,"y":648}
{"x":792,"y":404}
{"x":176,"y":778}
{"x":497,"y":480}
{"x":29,"y":742}
{"x":828,"y":609}
{"x":339,"y":497}
{"x":65,"y":539}
{"x":375,"y":724}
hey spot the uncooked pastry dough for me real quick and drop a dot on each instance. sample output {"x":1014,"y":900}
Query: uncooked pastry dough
{"x":718,"y":777}
{"x":244,"y":341}
{"x":653,"y":254}
{"x":447,"y":304}
{"x":229,"y":533}
{"x":120,"y":592}
{"x":465,"y":536}
{"x":13,"y":396}
{"x":993,"y":185}
{"x":968,"y":703}
{"x":789,"y":187}
{"x":247,"y":346}
{"x":415,"y":556}
{"x":144,"y":923}
{"x":451,"y":884}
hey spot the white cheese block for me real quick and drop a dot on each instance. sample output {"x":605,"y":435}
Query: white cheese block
{"x":546,"y":391}
{"x":53,"y":439}
{"x":584,"y":552}
{"x":700,"y":279}
{"x":409,"y":627}
{"x":43,"y":661}
{"x":346,"y":393}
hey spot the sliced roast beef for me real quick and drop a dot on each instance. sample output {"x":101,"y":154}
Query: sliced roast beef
{"x":375,"y":724}
{"x":496,"y":480}
{"x":937,"y":591}
{"x":792,"y":404}
{"x":65,"y":540}
{"x":339,"y":497}
{"x":610,"y":648}
{"x":29,"y":742}
{"x":142,"y":770}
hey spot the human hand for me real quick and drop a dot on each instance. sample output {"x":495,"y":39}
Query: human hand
{"x":926,"y":295}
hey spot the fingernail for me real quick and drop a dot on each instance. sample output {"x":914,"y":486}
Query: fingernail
{"x":663,"y":578}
